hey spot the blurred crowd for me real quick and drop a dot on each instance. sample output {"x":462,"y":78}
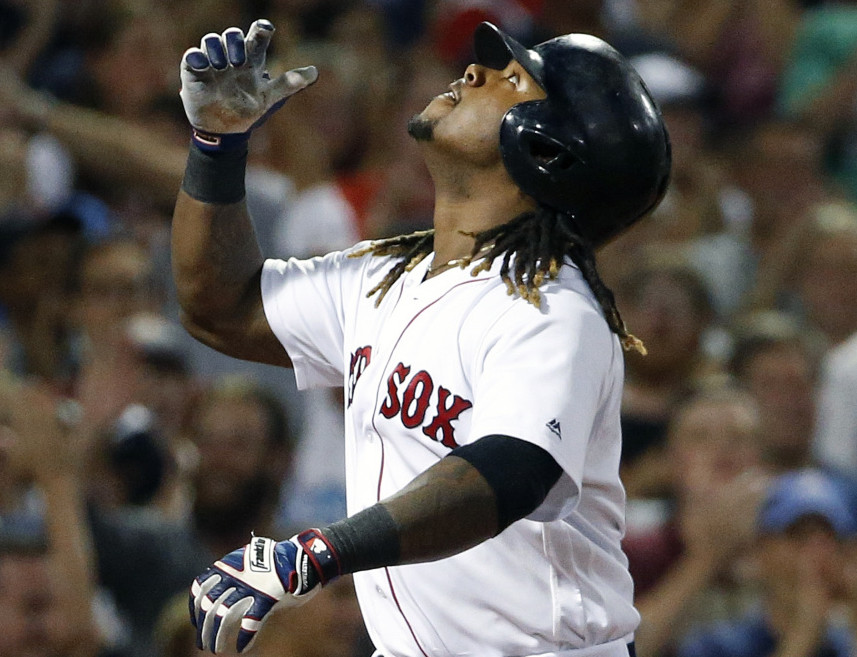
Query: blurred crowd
{"x":132,"y":456}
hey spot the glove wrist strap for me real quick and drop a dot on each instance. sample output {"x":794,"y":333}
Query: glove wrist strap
{"x":211,"y":142}
{"x":367,"y":540}
{"x":320,"y":563}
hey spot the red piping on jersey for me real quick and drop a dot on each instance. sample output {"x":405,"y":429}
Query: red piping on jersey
{"x":381,"y":470}
{"x":399,"y":607}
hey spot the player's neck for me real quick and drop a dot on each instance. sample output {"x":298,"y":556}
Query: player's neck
{"x":463,"y":208}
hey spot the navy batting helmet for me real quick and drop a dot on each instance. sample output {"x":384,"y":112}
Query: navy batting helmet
{"x":597,"y":146}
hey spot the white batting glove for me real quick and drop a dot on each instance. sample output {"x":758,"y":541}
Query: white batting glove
{"x":234,"y":597}
{"x":226,"y":91}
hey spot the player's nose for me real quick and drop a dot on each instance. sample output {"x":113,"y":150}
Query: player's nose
{"x":474,"y":75}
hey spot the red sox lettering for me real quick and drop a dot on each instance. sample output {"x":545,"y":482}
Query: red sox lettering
{"x":359,"y":360}
{"x":409,"y":397}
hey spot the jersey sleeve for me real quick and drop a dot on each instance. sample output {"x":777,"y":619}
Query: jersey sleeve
{"x":303,"y":302}
{"x":549,"y":377}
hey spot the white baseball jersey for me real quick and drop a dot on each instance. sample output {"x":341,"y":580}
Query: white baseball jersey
{"x":441,"y":363}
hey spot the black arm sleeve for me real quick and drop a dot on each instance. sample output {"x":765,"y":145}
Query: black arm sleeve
{"x":521,"y":473}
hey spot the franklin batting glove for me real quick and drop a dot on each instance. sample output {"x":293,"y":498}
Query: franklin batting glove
{"x":236,"y":594}
{"x":226,"y":91}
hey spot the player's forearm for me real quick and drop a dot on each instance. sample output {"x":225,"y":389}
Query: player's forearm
{"x":449,"y":508}
{"x":446,"y":510}
{"x":216,"y":266}
{"x":467,"y":497}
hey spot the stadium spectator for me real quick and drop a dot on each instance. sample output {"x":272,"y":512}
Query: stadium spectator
{"x":802,"y":531}
{"x":687,"y":553}
{"x":777,"y":361}
{"x":47,"y":578}
{"x":826,"y":285}
{"x":667,"y":304}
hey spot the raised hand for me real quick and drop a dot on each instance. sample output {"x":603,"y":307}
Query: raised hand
{"x":226,"y":90}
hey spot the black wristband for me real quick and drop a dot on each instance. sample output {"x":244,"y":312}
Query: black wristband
{"x":366,"y":540}
{"x":215,"y":176}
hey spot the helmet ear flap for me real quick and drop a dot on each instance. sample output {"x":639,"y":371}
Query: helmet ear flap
{"x":535,"y":158}
{"x":549,"y":155}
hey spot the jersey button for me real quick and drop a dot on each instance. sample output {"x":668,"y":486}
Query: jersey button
{"x":381,"y":592}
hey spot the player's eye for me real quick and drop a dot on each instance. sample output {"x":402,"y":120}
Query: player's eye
{"x":514,"y":79}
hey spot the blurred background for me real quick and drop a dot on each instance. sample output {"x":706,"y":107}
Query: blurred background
{"x":132,"y":456}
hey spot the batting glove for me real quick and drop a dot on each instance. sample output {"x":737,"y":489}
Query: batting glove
{"x":226,"y":91}
{"x":235,"y":595}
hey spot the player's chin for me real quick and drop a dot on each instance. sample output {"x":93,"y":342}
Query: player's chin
{"x":421,"y":127}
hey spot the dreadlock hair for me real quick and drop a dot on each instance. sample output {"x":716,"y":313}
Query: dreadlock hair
{"x":539,"y":241}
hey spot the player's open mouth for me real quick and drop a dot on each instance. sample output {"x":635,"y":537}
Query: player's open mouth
{"x":452,"y":94}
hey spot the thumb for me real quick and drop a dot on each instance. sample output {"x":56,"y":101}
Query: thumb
{"x":291,"y":82}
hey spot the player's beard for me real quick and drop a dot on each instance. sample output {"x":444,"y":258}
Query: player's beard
{"x":421,"y":128}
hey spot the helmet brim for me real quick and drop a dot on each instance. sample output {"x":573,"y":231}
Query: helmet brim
{"x":495,"y":49}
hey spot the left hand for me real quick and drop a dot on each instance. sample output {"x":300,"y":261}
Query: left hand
{"x":233,"y":598}
{"x":226,"y":89}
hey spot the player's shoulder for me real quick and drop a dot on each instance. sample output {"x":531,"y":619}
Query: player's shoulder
{"x":566,"y":305}
{"x":362,"y":255}
{"x":565,"y":296}
{"x":358,"y":258}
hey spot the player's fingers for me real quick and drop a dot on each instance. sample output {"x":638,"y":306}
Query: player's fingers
{"x":211,"y":618}
{"x":250,"y":625}
{"x":245,"y":639}
{"x":191,"y":602}
{"x":291,"y":82}
{"x":229,"y":632}
{"x":201,"y":603}
{"x":201,"y":587}
{"x":195,"y":62}
{"x":252,"y":619}
{"x":258,"y":37}
{"x":217,"y":627}
{"x":212,"y":45}
{"x":235,"y":51}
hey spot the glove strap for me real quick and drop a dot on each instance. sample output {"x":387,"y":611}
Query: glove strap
{"x":319,"y":562}
{"x":211,"y":142}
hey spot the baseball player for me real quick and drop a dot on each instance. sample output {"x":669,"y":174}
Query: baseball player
{"x":482,"y":360}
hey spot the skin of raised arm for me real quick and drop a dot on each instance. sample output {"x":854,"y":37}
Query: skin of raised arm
{"x":217,"y":266}
{"x":447,"y":509}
